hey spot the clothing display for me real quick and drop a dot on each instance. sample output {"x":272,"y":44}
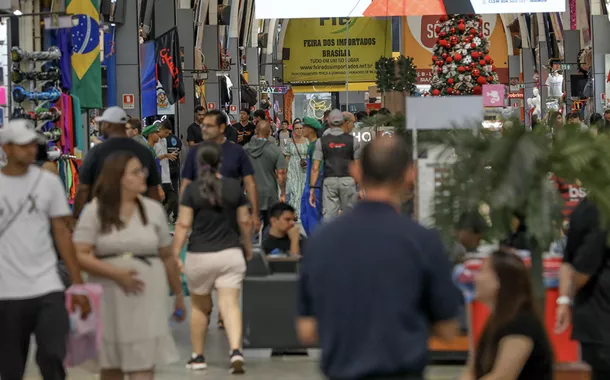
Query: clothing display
{"x":555,"y":84}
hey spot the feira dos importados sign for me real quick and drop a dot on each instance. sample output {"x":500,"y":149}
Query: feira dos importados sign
{"x":334,"y":49}
{"x":288,"y":9}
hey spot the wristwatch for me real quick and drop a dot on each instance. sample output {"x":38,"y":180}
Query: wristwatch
{"x":564,"y":300}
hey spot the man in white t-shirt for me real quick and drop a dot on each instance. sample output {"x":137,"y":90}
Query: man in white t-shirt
{"x":171,"y":195}
{"x":34,"y":213}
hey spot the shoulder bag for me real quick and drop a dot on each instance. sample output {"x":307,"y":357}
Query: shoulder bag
{"x":302,"y":162}
{"x":61,"y":267}
{"x":19,"y":210}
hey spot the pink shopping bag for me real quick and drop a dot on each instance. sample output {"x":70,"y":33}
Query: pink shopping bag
{"x":85,"y":336}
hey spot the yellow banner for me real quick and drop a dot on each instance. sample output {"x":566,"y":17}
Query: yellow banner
{"x":317,"y":49}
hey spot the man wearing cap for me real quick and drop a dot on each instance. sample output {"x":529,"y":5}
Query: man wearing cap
{"x":34,"y":211}
{"x":338,"y":149}
{"x":310,"y":216}
{"x":151,"y":134}
{"x":113,"y":122}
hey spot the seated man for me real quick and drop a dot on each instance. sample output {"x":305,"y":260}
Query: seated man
{"x":469,"y":231}
{"x":284,"y":234}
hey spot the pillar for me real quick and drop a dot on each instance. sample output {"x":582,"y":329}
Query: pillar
{"x":127,"y":46}
{"x":235,"y":54}
{"x":253,"y":62}
{"x":600,"y":30}
{"x":165,"y":16}
{"x":186,"y":110}
{"x":527,"y":56}
{"x":212,"y":61}
{"x":234,"y":74}
{"x":543,"y":60}
{"x":571,"y":47}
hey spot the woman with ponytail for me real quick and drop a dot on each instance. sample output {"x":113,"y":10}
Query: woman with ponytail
{"x":215,"y":210}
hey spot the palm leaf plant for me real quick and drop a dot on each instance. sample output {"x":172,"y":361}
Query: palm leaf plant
{"x":498,"y":174}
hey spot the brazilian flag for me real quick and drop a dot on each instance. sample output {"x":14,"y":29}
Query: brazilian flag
{"x":86,"y":64}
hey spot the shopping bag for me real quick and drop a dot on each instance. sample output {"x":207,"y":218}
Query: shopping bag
{"x":85,"y":338}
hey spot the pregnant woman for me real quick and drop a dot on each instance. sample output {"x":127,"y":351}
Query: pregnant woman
{"x":123,"y":242}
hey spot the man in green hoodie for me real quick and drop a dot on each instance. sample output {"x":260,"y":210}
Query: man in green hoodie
{"x":269,"y":170}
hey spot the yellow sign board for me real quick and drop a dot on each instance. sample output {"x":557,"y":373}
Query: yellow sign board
{"x":331,"y":50}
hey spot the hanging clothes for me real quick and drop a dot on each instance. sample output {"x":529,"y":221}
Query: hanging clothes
{"x":77,"y":121}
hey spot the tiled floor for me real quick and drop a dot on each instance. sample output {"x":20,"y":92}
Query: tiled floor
{"x":259,"y":365}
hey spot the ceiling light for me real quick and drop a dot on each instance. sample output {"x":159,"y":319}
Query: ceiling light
{"x":17,"y":12}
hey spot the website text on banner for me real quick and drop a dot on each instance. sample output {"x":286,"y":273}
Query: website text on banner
{"x":274,"y":9}
{"x":319,"y":55}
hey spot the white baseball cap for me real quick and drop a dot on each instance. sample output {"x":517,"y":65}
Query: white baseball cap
{"x":114,"y":115}
{"x":20,"y":132}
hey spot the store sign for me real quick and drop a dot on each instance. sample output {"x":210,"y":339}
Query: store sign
{"x":275,"y":90}
{"x":494,"y":95}
{"x":419,"y":38}
{"x":335,"y":50}
{"x":277,"y":9}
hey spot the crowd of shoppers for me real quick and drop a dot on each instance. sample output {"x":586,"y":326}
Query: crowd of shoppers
{"x":229,"y":188}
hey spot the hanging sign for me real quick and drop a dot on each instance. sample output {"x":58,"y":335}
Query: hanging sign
{"x":275,"y":90}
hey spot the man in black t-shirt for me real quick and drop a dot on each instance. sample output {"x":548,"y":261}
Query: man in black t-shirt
{"x":284,"y":235}
{"x":174,"y":145}
{"x":193,"y":132}
{"x":245,"y":129}
{"x":584,"y":280}
{"x":114,"y":119}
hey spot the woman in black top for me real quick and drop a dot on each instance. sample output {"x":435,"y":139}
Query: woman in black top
{"x":514,"y":344}
{"x":216,"y":212}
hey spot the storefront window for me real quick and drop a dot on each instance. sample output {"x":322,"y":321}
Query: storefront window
{"x":311,"y":105}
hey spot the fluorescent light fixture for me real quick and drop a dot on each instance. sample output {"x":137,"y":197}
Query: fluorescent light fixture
{"x":17,"y":12}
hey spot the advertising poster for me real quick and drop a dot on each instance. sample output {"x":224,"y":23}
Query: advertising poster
{"x":320,"y":55}
{"x":270,"y":9}
{"x":163,"y":106}
{"x":419,"y":37}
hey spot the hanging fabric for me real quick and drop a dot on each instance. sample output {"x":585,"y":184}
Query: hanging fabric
{"x":79,"y":132}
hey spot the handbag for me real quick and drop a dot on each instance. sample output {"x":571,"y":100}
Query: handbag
{"x":85,"y":338}
{"x":302,"y":162}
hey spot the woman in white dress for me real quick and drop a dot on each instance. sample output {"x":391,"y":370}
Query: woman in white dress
{"x":296,"y":154}
{"x":123,"y":242}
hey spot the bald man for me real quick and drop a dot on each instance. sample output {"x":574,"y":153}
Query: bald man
{"x":269,"y":169}
{"x":337,"y":149}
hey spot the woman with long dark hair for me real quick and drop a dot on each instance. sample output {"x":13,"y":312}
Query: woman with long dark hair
{"x":514,"y":344}
{"x":215,"y":210}
{"x":123,"y":242}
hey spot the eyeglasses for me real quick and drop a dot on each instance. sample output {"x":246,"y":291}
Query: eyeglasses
{"x":140,"y":171}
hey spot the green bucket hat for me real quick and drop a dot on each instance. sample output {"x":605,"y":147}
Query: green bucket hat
{"x":150,"y":130}
{"x":312,"y":123}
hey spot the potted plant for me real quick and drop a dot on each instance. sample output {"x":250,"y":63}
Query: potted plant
{"x":498,"y":174}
